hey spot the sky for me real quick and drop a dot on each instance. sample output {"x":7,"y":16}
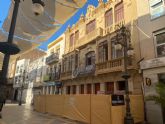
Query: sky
{"x":4,"y":8}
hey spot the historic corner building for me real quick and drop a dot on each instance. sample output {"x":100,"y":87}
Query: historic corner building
{"x":151,"y":20}
{"x":91,"y":64}
{"x":52,"y":84}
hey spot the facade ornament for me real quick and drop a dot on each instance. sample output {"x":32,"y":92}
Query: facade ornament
{"x":90,"y":11}
{"x":100,"y":2}
{"x":82,"y":17}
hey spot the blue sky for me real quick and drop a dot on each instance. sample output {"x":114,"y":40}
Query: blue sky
{"x":5,"y":4}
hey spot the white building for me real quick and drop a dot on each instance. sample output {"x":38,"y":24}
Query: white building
{"x":21,"y":83}
{"x":37,"y":70}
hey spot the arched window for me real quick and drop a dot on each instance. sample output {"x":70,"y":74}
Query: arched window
{"x":90,"y":58}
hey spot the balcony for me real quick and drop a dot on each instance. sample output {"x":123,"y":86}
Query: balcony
{"x":90,"y":37}
{"x":85,"y":71}
{"x":52,"y":77}
{"x":109,"y":30}
{"x":114,"y":27}
{"x":114,"y":65}
{"x":119,"y":24}
{"x":46,"y":78}
{"x":52,"y":58}
{"x":66,"y":75}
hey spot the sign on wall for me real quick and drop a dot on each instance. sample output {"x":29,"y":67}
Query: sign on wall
{"x":152,"y":63}
{"x":117,"y":100}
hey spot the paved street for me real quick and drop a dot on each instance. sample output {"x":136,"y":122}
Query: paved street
{"x":14,"y":114}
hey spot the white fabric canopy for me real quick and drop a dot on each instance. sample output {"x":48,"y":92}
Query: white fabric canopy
{"x":31,"y":30}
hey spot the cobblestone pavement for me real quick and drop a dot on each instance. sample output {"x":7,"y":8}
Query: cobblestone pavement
{"x":14,"y":114}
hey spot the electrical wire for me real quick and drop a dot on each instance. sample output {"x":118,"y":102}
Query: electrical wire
{"x":142,"y":31}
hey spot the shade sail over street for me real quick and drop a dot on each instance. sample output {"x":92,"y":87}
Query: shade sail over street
{"x":32,"y":30}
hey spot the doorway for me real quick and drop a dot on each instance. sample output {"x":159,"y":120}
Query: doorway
{"x":16,"y":95}
{"x":97,"y":87}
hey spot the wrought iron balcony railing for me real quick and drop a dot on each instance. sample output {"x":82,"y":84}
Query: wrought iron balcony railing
{"x":51,"y":77}
{"x":90,"y":69}
{"x":52,"y":58}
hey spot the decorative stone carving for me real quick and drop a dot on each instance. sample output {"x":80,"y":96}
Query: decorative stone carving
{"x":90,"y":11}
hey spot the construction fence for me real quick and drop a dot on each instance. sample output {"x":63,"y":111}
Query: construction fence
{"x":91,"y":109}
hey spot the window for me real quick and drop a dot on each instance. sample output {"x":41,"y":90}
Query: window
{"x":97,"y":87}
{"x":119,"y":12}
{"x":76,"y":61}
{"x":161,"y":78}
{"x":68,"y":89}
{"x":90,"y":58}
{"x":157,"y":8}
{"x":65,"y":64}
{"x":115,"y":53}
{"x":90,"y":26}
{"x":70,"y":63}
{"x":16,"y":80}
{"x":103,"y":52}
{"x":71,"y":39}
{"x":58,"y":51}
{"x":81,"y":89}
{"x":17,"y":70}
{"x":108,"y":18}
{"x":121,"y":85}
{"x":160,"y":44}
{"x":51,"y":51}
{"x":109,"y":87}
{"x":76,"y":35}
{"x":21,"y":69}
{"x":74,"y":89}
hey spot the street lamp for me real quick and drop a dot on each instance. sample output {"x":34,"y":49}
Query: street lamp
{"x":8,"y":48}
{"x":123,"y":41}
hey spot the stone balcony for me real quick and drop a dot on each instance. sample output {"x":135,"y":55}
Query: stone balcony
{"x":66,"y":75}
{"x":115,"y":65}
{"x":89,"y":37}
{"x":52,"y":58}
{"x":112,"y":28}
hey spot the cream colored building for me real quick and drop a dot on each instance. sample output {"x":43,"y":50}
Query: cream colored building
{"x":55,"y":52}
{"x":151,"y":22}
{"x":91,"y":65}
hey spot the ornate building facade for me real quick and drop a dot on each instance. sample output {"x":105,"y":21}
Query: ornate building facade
{"x":91,"y":64}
